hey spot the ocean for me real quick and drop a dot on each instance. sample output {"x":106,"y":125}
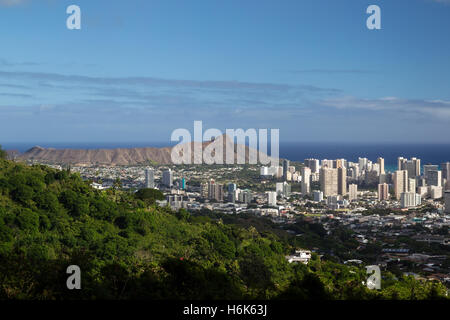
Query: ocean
{"x":295,"y":151}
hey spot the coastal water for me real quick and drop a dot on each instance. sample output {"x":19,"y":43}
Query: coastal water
{"x":295,"y":151}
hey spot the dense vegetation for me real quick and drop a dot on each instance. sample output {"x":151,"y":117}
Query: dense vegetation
{"x":128,"y":248}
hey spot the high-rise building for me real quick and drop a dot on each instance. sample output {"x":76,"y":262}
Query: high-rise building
{"x":447,"y":201}
{"x":434,"y":178}
{"x":285,"y":169}
{"x":412,"y":185}
{"x":306,"y":180}
{"x":401,"y":183}
{"x":327,"y":163}
{"x":283,"y":189}
{"x":313,"y":164}
{"x":401,"y":163}
{"x":376,"y":168}
{"x":279,"y":188}
{"x":445,"y":168}
{"x":286,"y":189}
{"x":264,"y":171}
{"x":149,"y":178}
{"x":383,"y":192}
{"x":231,"y":187}
{"x":380,"y":162}
{"x":362,"y":164}
{"x":272,"y":198}
{"x":342,"y":181}
{"x":204,"y":190}
{"x":413,"y":167}
{"x":435,"y":192}
{"x":215,"y":191}
{"x":167,"y":178}
{"x":383,"y":178}
{"x":318,"y":196}
{"x":352,"y":192}
{"x":410,"y":199}
{"x":243,"y":196}
{"x":329,"y":181}
{"x":429,"y":167}
{"x":231,"y":197}
{"x":339,"y":163}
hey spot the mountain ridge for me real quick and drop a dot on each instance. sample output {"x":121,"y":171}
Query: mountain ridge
{"x":122,"y":156}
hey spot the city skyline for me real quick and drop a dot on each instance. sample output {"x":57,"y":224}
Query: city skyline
{"x":137,"y":72}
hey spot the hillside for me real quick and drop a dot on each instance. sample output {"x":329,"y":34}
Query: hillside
{"x":128,"y":248}
{"x":120,"y":156}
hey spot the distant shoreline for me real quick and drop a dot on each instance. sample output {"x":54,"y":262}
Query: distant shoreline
{"x":294,"y":151}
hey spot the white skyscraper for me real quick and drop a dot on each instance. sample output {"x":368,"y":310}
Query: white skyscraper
{"x":149,"y":178}
{"x":272,"y":198}
{"x":401,"y":183}
{"x":352,"y":192}
{"x":412,"y":185}
{"x":306,"y":178}
{"x":410,"y":199}
{"x":362,"y":164}
{"x":380,"y":162}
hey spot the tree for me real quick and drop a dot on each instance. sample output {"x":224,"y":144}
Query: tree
{"x":3,"y":154}
{"x":149,"y":196}
{"x":117,"y":184}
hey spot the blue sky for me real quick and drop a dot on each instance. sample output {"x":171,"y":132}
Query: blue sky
{"x":139,"y":69}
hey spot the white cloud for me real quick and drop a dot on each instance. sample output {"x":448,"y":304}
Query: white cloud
{"x":439,"y":109}
{"x":442,"y":1}
{"x":11,"y":3}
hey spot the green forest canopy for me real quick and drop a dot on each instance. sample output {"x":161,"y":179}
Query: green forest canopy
{"x":128,"y":248}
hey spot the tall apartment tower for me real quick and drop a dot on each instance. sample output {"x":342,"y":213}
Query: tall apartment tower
{"x":380,"y":162}
{"x":445,"y":168}
{"x":285,"y":169}
{"x":167,"y":178}
{"x":149,"y":178}
{"x":447,"y":202}
{"x":412,"y":185}
{"x":401,"y":183}
{"x":339,"y":163}
{"x":401,"y":163}
{"x":215,"y":191}
{"x":306,"y":180}
{"x":362,"y":164}
{"x":272,"y":198}
{"x":342,"y":181}
{"x":352,"y":192}
{"x":313,"y":164}
{"x":383,"y":191}
{"x":413,"y":167}
{"x":434,"y":178}
{"x":329,"y":181}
